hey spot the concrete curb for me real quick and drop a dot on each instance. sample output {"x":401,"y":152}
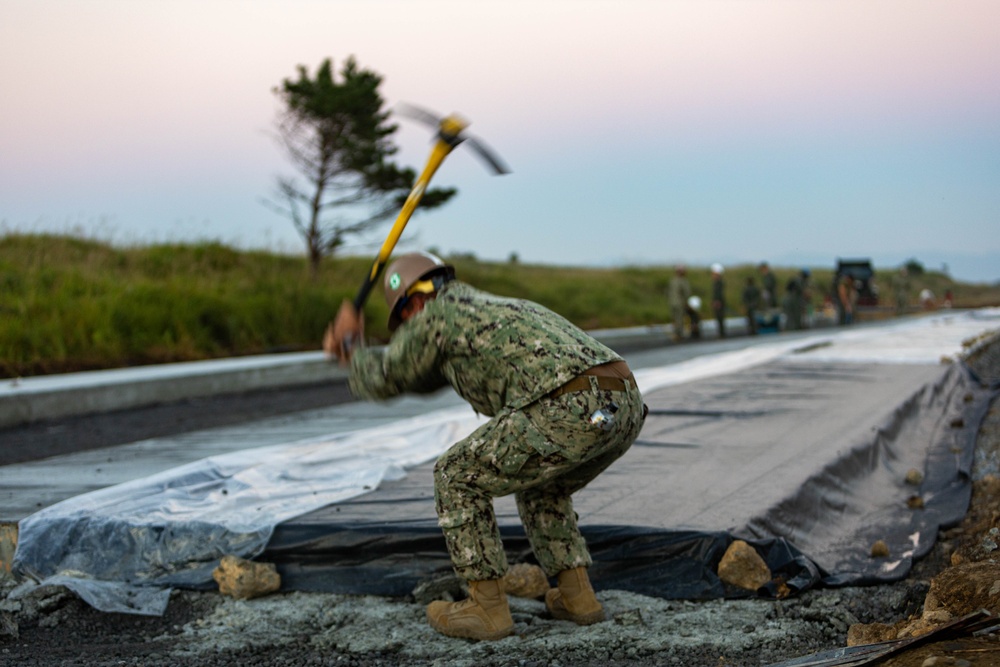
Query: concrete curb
{"x":27,"y":400}
{"x":33,"y":399}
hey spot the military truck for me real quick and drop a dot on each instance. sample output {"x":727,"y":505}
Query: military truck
{"x":863,"y":275}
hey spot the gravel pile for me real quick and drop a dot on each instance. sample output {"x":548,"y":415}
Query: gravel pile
{"x":206,"y":629}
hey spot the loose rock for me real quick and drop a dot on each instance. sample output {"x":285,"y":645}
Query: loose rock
{"x":525,"y":580}
{"x":743,"y":567}
{"x":243,"y":579}
{"x":880,"y":549}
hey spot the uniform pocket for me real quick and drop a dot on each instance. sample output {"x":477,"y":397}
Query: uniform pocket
{"x":461,"y":536}
{"x":454,"y":519}
{"x":563,"y":423}
{"x":518,"y":440}
{"x":511,"y":457}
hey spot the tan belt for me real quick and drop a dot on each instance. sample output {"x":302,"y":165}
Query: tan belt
{"x":611,"y":376}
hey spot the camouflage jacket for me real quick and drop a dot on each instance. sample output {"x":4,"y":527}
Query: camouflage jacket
{"x":496,"y":352}
{"x":678,"y":292}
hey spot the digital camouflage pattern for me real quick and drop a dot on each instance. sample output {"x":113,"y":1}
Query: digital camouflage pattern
{"x":496,"y":352}
{"x":542,"y":454}
{"x":504,"y":356}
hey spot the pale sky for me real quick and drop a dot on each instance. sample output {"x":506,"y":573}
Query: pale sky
{"x":638,"y":132}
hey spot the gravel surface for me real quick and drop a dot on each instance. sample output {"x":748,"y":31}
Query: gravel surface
{"x":50,"y":627}
{"x":202,"y":629}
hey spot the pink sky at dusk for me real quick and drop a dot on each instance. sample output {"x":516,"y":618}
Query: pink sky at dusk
{"x":827,"y":128}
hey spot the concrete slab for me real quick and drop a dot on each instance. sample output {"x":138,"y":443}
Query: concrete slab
{"x":714,"y":452}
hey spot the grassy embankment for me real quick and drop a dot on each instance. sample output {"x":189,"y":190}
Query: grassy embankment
{"x":69,"y":304}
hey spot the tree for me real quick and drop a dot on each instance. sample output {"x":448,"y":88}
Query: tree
{"x":340,"y":140}
{"x":914,"y":267}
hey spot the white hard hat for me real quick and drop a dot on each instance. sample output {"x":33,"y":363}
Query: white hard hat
{"x":717,"y":268}
{"x":694,"y":302}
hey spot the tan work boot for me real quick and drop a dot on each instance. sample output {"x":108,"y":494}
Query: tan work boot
{"x":484,"y":615}
{"x":574,"y":599}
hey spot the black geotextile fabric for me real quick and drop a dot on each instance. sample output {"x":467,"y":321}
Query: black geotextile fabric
{"x":819,"y":535}
{"x":392,"y":561}
{"x":839,"y":513}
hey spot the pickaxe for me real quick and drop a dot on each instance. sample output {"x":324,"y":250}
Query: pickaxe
{"x":450,"y":133}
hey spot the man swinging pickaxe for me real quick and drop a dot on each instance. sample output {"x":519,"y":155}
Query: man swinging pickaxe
{"x":337,"y":340}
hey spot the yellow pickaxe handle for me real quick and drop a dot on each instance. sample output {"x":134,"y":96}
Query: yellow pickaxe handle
{"x":448,"y":137}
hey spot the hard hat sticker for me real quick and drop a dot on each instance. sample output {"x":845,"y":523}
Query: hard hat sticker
{"x":394,"y":281}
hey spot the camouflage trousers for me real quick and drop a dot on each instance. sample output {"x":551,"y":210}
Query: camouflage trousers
{"x":542,"y":453}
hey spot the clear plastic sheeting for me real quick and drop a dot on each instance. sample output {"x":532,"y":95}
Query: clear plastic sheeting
{"x":122,"y":547}
{"x":923,"y":340}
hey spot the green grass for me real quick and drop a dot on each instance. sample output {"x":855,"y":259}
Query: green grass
{"x":69,"y":303}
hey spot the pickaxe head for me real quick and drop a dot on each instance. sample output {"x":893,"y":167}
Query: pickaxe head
{"x":451,"y":131}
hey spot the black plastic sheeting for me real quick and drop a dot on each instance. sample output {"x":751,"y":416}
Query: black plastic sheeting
{"x":835,"y":516}
{"x":819,"y":535}
{"x":392,"y":561}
